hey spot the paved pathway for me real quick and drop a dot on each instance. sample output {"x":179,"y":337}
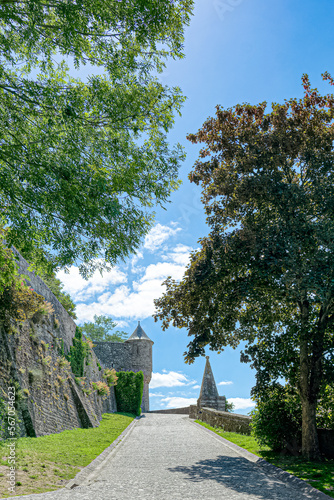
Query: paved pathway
{"x":167,"y":457}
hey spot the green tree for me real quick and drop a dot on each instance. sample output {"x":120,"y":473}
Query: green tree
{"x":82,"y":163}
{"x":101,"y":330}
{"x":265,"y":273}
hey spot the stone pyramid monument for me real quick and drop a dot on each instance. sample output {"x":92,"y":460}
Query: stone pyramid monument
{"x":209,"y":396}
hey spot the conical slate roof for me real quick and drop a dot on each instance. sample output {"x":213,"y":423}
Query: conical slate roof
{"x":139,"y":334}
{"x":209,"y":388}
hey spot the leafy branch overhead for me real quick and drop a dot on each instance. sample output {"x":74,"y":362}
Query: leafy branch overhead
{"x":101,"y":330}
{"x":83,"y":162}
{"x":265,"y":274}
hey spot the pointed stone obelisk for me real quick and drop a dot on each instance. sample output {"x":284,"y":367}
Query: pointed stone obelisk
{"x":209,"y":396}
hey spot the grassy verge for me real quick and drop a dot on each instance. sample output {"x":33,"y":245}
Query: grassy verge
{"x":47,"y":463}
{"x":320,"y":475}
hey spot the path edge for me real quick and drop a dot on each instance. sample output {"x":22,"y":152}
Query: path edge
{"x":98,"y":462}
{"x":280,"y":474}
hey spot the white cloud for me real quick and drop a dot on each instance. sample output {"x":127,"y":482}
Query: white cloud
{"x":134,"y":260}
{"x":196,"y":387}
{"x":163,"y":269}
{"x":241,"y":403}
{"x":177,"y":402}
{"x":132,"y":304}
{"x":225,"y":382}
{"x":158,"y":235}
{"x":156,"y":394}
{"x":81,"y":289}
{"x":169,"y":379}
{"x":179,"y":255}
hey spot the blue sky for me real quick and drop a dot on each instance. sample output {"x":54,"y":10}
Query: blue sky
{"x":236,"y":51}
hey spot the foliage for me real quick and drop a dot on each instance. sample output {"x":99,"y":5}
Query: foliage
{"x":82,"y":162}
{"x":19,"y":302}
{"x":56,"y":287}
{"x":8,"y":267}
{"x":78,"y":353}
{"x":110,"y":376}
{"x":42,"y":263}
{"x":325,"y":409}
{"x":277,"y":419}
{"x":229,"y":406}
{"x":101,"y":330}
{"x":61,"y":348}
{"x":102,"y":388}
{"x":129,"y":392}
{"x":265,"y":273}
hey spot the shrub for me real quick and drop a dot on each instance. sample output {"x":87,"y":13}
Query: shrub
{"x":110,"y":376}
{"x":129,"y":392}
{"x":325,"y":409}
{"x":101,"y":388}
{"x":277,"y":418}
{"x":229,"y":406}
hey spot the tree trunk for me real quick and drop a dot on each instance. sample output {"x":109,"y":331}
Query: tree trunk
{"x":310,"y":443}
{"x":309,"y":385}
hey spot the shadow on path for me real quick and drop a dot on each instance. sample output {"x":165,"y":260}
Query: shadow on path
{"x":238,"y":474}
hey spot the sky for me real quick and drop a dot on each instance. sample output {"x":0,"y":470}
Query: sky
{"x":236,"y":51}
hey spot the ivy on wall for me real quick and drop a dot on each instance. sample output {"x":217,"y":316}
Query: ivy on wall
{"x":78,"y":353}
{"x":129,"y":392}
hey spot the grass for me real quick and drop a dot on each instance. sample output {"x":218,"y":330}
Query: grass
{"x":320,"y":475}
{"x":48,"y":462}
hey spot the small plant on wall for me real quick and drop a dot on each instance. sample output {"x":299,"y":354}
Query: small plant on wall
{"x":110,"y":376}
{"x":101,"y":388}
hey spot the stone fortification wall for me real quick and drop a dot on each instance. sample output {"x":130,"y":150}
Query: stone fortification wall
{"x":66,"y":329}
{"x":178,"y":411}
{"x":52,"y":400}
{"x":116,"y":355}
{"x":230,"y":422}
{"x":131,"y":355}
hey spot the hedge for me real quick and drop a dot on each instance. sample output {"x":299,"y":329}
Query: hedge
{"x":129,"y":392}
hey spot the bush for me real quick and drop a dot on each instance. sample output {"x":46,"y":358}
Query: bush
{"x":101,"y":388}
{"x":277,"y":418}
{"x":325,"y":409}
{"x":129,"y":392}
{"x":110,"y":376}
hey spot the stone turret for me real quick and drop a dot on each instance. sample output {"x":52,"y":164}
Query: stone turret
{"x":209,"y":396}
{"x":141,"y":359}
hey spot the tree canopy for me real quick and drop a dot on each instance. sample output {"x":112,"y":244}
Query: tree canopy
{"x":82,"y":163}
{"x":265,"y":273}
{"x":101,"y":330}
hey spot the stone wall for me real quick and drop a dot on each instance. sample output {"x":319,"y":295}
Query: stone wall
{"x":66,"y":329}
{"x":230,"y":422}
{"x":132,"y":355}
{"x":52,"y":399}
{"x":179,"y":411}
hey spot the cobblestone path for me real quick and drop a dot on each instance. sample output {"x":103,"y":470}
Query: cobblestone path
{"x":167,"y":457}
